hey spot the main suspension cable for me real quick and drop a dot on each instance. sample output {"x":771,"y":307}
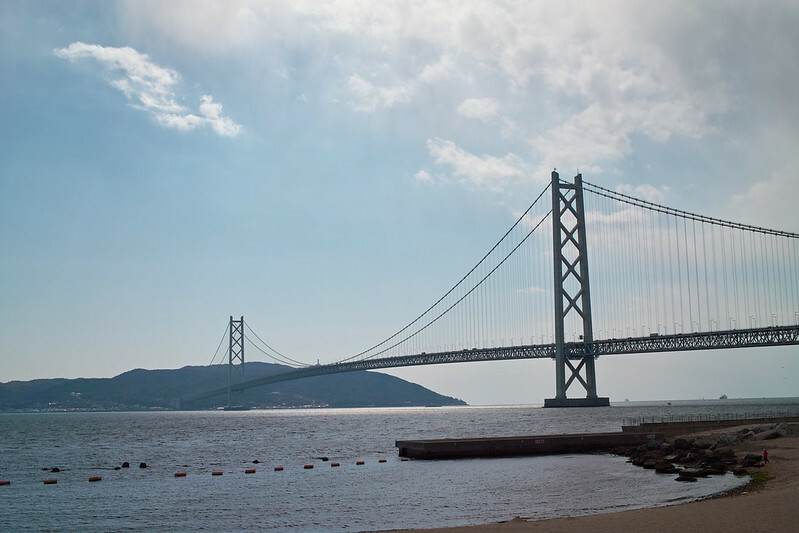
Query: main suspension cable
{"x":417,"y":319}
{"x":285,"y":357}
{"x":621,"y":197}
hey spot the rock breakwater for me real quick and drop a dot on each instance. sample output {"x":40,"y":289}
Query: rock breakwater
{"x":704,"y":454}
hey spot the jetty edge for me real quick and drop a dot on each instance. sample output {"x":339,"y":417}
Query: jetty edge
{"x":649,"y":434}
{"x":521,"y":446}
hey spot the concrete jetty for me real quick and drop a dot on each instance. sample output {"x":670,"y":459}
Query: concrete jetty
{"x":679,"y":427}
{"x":516,"y":446}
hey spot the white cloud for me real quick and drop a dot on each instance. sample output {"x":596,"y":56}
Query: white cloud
{"x":581,"y":81}
{"x":762,"y":204}
{"x":531,"y":290}
{"x":650,"y":193}
{"x":479,"y":108}
{"x":482,"y":171}
{"x":150,"y":87}
{"x":423,"y":176}
{"x":369,"y":98}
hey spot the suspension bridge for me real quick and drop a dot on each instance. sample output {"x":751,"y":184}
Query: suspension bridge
{"x":661,"y":280}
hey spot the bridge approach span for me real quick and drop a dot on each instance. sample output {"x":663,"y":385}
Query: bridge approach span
{"x":715,"y":340}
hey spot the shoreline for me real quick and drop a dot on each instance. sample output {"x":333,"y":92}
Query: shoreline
{"x":757,"y":505}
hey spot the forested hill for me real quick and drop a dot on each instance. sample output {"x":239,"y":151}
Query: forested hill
{"x":162,"y":389}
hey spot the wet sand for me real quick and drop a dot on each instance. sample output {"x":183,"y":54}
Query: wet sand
{"x":772,"y":506}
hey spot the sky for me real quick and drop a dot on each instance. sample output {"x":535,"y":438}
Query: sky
{"x":329,"y":169}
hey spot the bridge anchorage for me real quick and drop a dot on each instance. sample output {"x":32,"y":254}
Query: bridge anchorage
{"x":572,"y":295}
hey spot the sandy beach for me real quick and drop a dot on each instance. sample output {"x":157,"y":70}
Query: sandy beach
{"x":769,"y":506}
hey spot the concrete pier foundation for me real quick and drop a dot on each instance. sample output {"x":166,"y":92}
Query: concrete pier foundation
{"x":599,"y":401}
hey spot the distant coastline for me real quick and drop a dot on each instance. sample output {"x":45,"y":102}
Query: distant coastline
{"x":164,"y":390}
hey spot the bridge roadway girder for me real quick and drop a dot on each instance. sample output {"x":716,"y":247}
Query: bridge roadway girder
{"x":742,"y":338}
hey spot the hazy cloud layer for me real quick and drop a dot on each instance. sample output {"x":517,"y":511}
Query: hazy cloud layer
{"x":151,"y":87}
{"x":570,"y":84}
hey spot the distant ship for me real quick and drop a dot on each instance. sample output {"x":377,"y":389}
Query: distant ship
{"x":723,"y":397}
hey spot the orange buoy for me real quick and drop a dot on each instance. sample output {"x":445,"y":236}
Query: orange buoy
{"x":5,"y":483}
{"x":50,"y":481}
{"x":382,"y":461}
{"x":249,"y":471}
{"x":359,"y":462}
{"x":180,"y":474}
{"x":335,"y":464}
{"x":278,"y":469}
{"x":216,"y":473}
{"x":403,"y":459}
{"x":308,"y":467}
{"x":95,"y":478}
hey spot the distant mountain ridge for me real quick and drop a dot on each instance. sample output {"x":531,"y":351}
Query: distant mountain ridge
{"x":164,"y":389}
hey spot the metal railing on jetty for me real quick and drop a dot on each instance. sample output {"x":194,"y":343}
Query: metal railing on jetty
{"x":708,"y":417}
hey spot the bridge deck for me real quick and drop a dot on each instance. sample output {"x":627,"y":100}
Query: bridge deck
{"x":714,"y":340}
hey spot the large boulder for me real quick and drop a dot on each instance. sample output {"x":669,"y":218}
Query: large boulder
{"x":695,"y":472}
{"x":730,"y":439}
{"x":724,"y":452}
{"x":682,"y":444}
{"x":751,"y":459}
{"x":665,"y":467}
{"x":650,"y":463}
{"x":768,"y":434}
{"x":703,"y":443}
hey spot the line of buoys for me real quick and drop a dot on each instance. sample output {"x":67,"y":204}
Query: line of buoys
{"x":213,"y":473}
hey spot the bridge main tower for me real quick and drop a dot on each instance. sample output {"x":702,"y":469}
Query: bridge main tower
{"x":236,"y":364}
{"x":572,"y":295}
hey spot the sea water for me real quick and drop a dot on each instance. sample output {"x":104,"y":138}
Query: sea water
{"x":374,"y":495}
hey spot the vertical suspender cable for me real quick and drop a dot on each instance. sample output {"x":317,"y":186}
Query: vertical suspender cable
{"x":784,"y":282}
{"x":696,"y":279}
{"x":757,"y":298}
{"x":735,"y":281}
{"x":745,"y":281}
{"x":706,"y":268}
{"x":671,"y":278}
{"x":774,"y":277}
{"x":690,"y":326}
{"x":724,"y":270}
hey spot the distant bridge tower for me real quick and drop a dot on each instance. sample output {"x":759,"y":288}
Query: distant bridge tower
{"x":572,"y":294}
{"x":236,"y":363}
